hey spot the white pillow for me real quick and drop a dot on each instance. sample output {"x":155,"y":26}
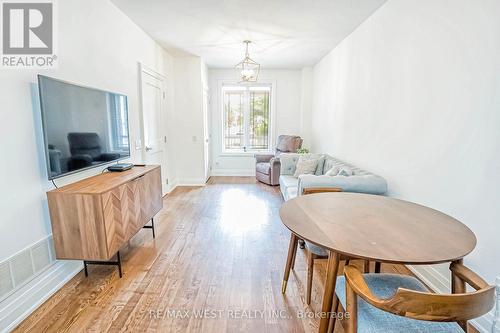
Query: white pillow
{"x":306,"y":166}
{"x":345,"y":171}
{"x":333,"y":171}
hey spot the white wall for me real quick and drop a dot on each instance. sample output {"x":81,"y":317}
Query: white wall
{"x":306,"y":95}
{"x":287,"y":118}
{"x":414,"y":95}
{"x":99,"y":47}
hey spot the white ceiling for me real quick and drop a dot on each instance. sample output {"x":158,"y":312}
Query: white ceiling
{"x":285,"y":33}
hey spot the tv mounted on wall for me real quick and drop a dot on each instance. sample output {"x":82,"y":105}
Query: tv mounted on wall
{"x":82,"y":127}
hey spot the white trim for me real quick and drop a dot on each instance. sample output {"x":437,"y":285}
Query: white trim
{"x":233,"y":172}
{"x":163,"y":146}
{"x":272,"y":117}
{"x":191,"y":182}
{"x":248,"y":153}
{"x":19,"y":305}
{"x":441,"y":284}
{"x":185,"y":182}
{"x":151,"y":72}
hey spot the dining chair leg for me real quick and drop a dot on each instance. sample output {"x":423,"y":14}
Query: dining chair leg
{"x":366,"y":266}
{"x":458,"y":287}
{"x":310,"y":270}
{"x":335,"y":311}
{"x":291,"y":249}
{"x":378,"y":266}
{"x":351,"y":309}
{"x":331,"y":280}
{"x":294,"y":257}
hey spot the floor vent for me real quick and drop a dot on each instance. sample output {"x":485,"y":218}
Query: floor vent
{"x":22,"y":267}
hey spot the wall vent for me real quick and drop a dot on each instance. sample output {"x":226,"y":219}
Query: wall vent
{"x":6,"y":283}
{"x":41,"y":256}
{"x":25,"y":265}
{"x":22,"y":267}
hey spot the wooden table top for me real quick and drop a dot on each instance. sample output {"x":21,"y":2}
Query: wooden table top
{"x":104,"y":182}
{"x":377,"y":228}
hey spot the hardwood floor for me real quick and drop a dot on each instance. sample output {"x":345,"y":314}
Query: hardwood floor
{"x":219,"y":248}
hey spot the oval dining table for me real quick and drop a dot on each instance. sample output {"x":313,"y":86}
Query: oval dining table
{"x":375,"y":228}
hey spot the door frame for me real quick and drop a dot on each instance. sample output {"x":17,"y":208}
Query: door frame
{"x":144,"y":70}
{"x":207,"y":137}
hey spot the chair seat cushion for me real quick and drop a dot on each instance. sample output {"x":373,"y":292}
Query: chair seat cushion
{"x":317,"y":250}
{"x":263,"y":167}
{"x":373,"y":320}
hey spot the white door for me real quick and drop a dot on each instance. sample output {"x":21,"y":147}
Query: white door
{"x":153,"y":97}
{"x":206,"y":134}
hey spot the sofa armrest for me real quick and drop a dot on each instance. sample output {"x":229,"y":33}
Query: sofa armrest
{"x":55,"y":160}
{"x":263,"y":158}
{"x":370,"y":184}
{"x":109,"y":156}
{"x":82,"y":158}
{"x":275,"y":170}
{"x":288,"y":162}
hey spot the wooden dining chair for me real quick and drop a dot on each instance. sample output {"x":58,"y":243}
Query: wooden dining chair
{"x":313,"y":251}
{"x":399,"y":303}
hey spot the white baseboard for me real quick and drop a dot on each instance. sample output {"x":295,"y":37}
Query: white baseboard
{"x":190,"y":182}
{"x":19,"y":305}
{"x":432,"y":278}
{"x":172,"y":185}
{"x":440,"y":283}
{"x":233,"y":172}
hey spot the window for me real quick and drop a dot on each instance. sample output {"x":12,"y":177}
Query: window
{"x":118,"y":122}
{"x":247,"y":118}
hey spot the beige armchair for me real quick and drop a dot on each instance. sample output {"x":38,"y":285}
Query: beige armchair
{"x":267,"y":167}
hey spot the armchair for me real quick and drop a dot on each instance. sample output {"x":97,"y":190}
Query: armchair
{"x":86,"y":149}
{"x":267,"y":166}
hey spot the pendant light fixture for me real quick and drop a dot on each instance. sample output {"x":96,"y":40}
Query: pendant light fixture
{"x":248,"y":69}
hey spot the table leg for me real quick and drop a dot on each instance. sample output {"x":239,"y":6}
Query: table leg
{"x":331,"y":281}
{"x":292,"y":249}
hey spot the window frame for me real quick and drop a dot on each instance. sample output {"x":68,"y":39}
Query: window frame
{"x":271,"y":85}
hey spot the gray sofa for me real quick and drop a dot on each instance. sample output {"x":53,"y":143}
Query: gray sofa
{"x":361,"y":181}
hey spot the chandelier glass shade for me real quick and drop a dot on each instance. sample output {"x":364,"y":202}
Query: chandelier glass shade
{"x":248,"y":69}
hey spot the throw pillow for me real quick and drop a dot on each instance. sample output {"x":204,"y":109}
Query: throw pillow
{"x":345,"y":171}
{"x":333,"y":171}
{"x":306,"y":166}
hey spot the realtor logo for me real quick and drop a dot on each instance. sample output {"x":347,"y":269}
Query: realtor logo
{"x":28,"y":34}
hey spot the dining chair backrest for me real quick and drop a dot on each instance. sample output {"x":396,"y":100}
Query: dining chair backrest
{"x":425,"y":305}
{"x":313,"y":190}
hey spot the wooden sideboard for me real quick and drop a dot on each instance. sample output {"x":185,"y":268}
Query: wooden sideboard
{"x":93,"y":218}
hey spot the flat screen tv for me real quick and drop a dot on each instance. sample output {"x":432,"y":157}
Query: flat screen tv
{"x":83,"y":127}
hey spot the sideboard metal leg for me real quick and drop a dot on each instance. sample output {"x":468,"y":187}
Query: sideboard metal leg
{"x":118,"y":263}
{"x":152,"y":226}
